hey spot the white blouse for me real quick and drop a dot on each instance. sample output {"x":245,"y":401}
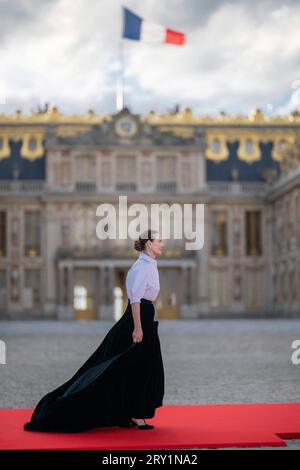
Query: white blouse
{"x":142,"y":280}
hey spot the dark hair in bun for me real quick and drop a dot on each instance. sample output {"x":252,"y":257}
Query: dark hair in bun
{"x":140,"y":244}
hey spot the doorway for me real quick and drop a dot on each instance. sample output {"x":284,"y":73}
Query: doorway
{"x":168,"y":300}
{"x":120,"y":294}
{"x":85,"y":293}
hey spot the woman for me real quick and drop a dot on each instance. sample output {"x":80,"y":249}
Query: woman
{"x":122,"y":382}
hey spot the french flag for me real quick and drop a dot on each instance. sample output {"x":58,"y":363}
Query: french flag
{"x":134,"y":27}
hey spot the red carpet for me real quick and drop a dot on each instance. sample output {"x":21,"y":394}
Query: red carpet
{"x":176,"y":426}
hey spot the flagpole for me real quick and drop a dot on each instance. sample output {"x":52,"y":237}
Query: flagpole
{"x":122,"y":73}
{"x":120,"y":84}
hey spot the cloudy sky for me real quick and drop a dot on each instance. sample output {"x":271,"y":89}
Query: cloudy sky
{"x":238,"y":55}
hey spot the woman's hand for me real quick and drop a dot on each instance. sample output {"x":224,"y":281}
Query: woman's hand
{"x":137,"y":334}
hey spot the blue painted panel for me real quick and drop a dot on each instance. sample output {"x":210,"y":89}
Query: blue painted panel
{"x":222,"y":171}
{"x":28,"y":170}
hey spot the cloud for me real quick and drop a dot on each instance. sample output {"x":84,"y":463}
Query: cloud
{"x":238,"y":55}
{"x":235,"y":61}
{"x":20,"y":14}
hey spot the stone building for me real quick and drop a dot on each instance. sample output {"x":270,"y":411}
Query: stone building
{"x":55,"y":170}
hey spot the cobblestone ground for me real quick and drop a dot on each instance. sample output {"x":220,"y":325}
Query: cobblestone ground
{"x":206,"y":361}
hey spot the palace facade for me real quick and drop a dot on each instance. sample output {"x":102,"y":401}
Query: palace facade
{"x":55,"y":170}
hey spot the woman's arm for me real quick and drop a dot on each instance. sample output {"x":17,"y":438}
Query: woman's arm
{"x":137,"y":283}
{"x":136,"y":313}
{"x":137,"y":334}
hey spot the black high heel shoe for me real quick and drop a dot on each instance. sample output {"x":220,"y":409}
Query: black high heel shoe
{"x":141,"y":426}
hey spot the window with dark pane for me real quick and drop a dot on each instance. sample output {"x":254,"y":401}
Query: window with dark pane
{"x":3,"y":289}
{"x":219,"y":240}
{"x":253,"y":233}
{"x":32,"y":233}
{"x":3,"y":229}
{"x":32,"y":284}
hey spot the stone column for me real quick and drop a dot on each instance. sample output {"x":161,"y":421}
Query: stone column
{"x":14,"y":253}
{"x":111,"y":284}
{"x":65,"y":309}
{"x":270,"y":256}
{"x":101,"y":290}
{"x":202,"y":258}
{"x":50,"y":243}
{"x":70,"y":288}
{"x":107,"y":308}
{"x":189,"y":292}
{"x":194,"y":285}
{"x":184,"y":308}
{"x":185,"y":286}
{"x":60,"y":287}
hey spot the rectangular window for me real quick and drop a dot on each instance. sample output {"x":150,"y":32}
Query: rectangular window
{"x":32,"y":233}
{"x":65,"y":173}
{"x":219,"y":241}
{"x":3,"y":228}
{"x":85,"y":169}
{"x":186,"y":174}
{"x":32,"y":288}
{"x":146,"y":174}
{"x":253,"y":233}
{"x":166,"y":174}
{"x":65,"y":287}
{"x":3,"y":290}
{"x":106,"y":174}
{"x":62,"y":173}
{"x":85,"y":174}
{"x":126,"y":173}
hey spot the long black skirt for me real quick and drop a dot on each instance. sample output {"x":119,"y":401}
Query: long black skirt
{"x":120,"y":380}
